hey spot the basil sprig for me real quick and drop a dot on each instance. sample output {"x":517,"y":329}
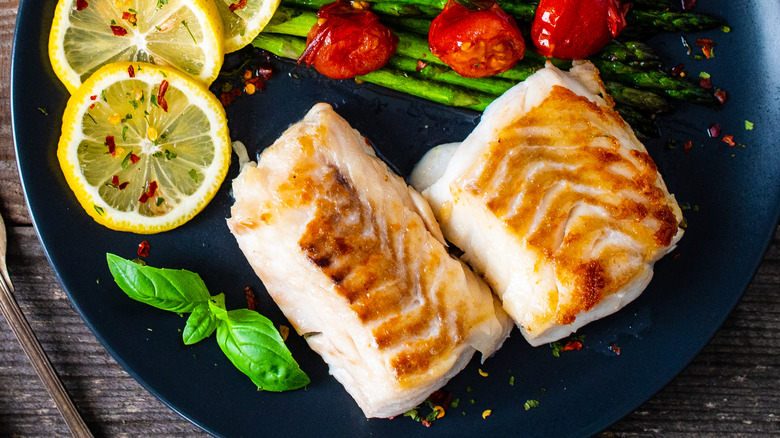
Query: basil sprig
{"x":248,"y":339}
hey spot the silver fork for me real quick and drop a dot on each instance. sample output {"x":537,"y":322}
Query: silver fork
{"x":21,"y":328}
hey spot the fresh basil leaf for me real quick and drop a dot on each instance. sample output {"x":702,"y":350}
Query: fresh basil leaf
{"x":175,"y":290}
{"x":255,"y":347}
{"x":200,"y":325}
{"x":217,"y":306}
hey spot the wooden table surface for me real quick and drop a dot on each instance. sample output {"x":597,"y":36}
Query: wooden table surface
{"x":731,"y":389}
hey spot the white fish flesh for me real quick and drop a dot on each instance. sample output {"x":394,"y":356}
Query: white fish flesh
{"x":356,"y":261}
{"x":555,"y":201}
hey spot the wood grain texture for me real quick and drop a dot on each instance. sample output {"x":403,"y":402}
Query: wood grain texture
{"x":731,"y":389}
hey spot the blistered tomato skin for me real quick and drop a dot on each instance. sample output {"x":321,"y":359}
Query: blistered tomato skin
{"x":348,"y":42}
{"x":476,"y":42}
{"x":576,"y":29}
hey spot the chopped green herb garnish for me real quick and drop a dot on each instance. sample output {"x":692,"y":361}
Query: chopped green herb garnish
{"x":99,"y":210}
{"x":725,"y":29}
{"x":160,"y":201}
{"x":412,"y":413}
{"x":704,"y":75}
{"x":43,"y":110}
{"x":170,"y":155}
{"x":134,"y":103}
{"x":103,"y":96}
{"x":558,"y":346}
{"x":126,"y":160}
{"x":153,"y":100}
{"x":193,"y":174}
{"x":455,"y":403}
{"x":531,"y":404}
{"x":511,"y":380}
{"x":161,"y":3}
{"x":749,"y":125}
{"x":184,"y":22}
{"x":124,"y":132}
{"x":133,"y":11}
{"x":93,"y":119}
{"x":113,"y":22}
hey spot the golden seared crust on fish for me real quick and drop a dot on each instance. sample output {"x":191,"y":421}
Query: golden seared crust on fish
{"x":554,"y":199}
{"x":354,"y":258}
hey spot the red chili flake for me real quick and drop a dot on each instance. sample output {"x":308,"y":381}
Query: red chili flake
{"x":720,"y":95}
{"x":676,"y":256}
{"x":92,"y":106}
{"x":284,"y":332}
{"x":152,"y":188}
{"x":93,"y":97}
{"x":134,"y":158}
{"x":257,"y":82}
{"x":143,"y":249}
{"x":130,"y":18}
{"x":706,"y":83}
{"x":253,"y":81}
{"x":143,"y":198}
{"x":240,"y":5}
{"x":714,"y":130}
{"x":123,"y":185}
{"x":678,"y":71}
{"x":81,"y":5}
{"x":161,"y":95}
{"x":115,"y":180}
{"x":229,"y":97}
{"x":420,"y":65}
{"x":687,"y":146}
{"x":615,"y":348}
{"x":729,"y":139}
{"x":687,"y":5}
{"x":572,"y":345}
{"x":441,"y":398}
{"x":706,"y":45}
{"x":251,"y":300}
{"x":111,"y":145}
{"x":264,"y":73}
{"x":131,"y":71}
{"x":118,"y":30}
{"x":425,"y":423}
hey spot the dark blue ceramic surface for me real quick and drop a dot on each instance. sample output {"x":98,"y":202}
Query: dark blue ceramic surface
{"x":733,"y":194}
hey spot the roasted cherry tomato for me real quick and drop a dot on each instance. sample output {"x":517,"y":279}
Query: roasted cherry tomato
{"x":476,"y":41}
{"x":576,"y":29}
{"x":347,"y":42}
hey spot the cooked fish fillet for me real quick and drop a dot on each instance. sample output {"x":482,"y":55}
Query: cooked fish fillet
{"x":555,"y":201}
{"x":356,"y":261}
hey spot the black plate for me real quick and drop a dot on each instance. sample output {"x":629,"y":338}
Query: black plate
{"x":734,"y":194}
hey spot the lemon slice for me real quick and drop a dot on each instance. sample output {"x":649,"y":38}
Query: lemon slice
{"x":87,"y":34}
{"x":244,"y":19}
{"x":143,"y":147}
